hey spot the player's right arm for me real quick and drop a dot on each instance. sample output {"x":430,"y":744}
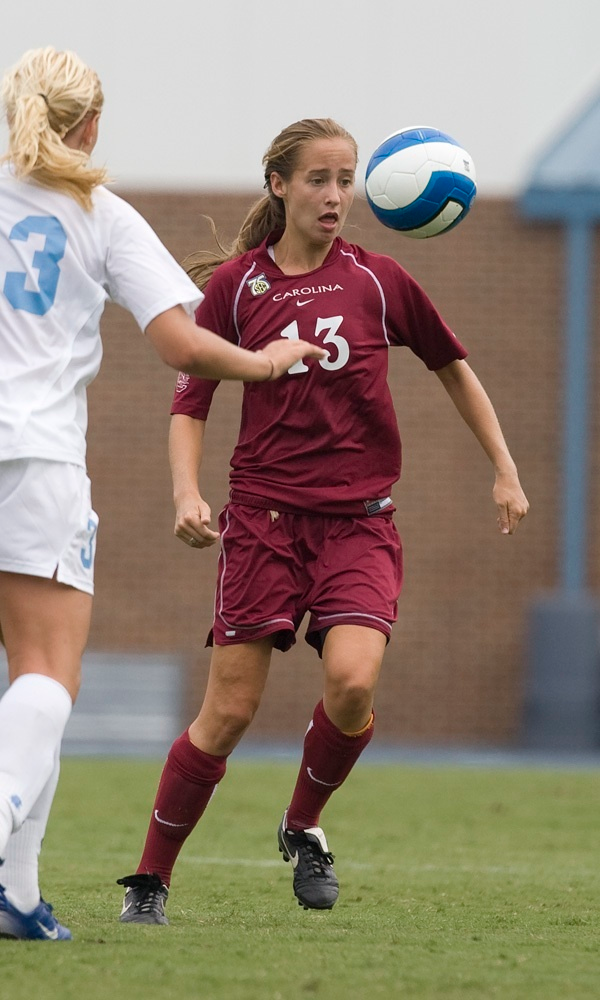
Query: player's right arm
{"x":192,"y":513}
{"x":197,"y":351}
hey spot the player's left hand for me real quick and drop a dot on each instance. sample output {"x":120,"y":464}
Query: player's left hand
{"x":192,"y":522}
{"x":510,"y":500}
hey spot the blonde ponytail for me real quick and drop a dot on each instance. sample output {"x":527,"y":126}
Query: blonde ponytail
{"x":46,"y":95}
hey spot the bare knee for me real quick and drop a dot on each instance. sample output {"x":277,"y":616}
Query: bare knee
{"x":348,"y":705}
{"x":348,"y":697}
{"x":233,"y":720}
{"x":34,"y":662}
{"x":219,"y":727}
{"x":235,"y":685}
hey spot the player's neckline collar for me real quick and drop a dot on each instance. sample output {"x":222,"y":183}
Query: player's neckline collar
{"x":268,"y":252}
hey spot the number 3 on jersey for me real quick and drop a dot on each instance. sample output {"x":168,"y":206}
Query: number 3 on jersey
{"x":45,"y":261}
{"x":331,"y":325}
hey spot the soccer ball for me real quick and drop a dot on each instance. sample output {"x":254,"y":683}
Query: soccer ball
{"x":420,"y":182}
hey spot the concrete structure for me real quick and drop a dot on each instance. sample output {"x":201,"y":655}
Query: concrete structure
{"x":563,"y":670}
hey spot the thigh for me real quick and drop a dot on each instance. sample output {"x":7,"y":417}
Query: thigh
{"x":236,"y":682}
{"x":352,"y":657}
{"x":45,"y":625}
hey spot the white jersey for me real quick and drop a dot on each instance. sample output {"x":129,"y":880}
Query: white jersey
{"x":58,"y":266}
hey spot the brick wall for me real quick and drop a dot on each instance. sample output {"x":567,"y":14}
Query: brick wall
{"x":454,"y":668}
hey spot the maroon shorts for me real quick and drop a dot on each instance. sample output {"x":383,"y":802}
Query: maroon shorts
{"x":273,"y":569}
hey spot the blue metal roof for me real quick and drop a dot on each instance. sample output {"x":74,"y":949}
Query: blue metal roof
{"x":565,"y":181}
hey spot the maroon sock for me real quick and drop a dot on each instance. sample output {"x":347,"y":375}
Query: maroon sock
{"x":329,"y":756}
{"x":188,"y":780}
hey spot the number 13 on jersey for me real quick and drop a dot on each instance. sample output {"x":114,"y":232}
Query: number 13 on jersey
{"x":330,"y":327}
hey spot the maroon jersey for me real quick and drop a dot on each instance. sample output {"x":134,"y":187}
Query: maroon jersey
{"x":324,"y":437}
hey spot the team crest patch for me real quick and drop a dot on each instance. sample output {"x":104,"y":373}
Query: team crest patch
{"x":183,"y":381}
{"x":258,"y":285}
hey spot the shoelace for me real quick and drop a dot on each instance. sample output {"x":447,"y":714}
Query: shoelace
{"x":317,"y":859}
{"x":152,"y":900}
{"x":151,"y":889}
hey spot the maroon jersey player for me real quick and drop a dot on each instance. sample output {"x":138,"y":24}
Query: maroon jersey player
{"x":308,"y":529}
{"x":325,"y":439}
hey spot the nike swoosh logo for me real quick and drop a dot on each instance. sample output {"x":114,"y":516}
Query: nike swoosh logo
{"x":165,"y":822}
{"x":294,"y":859}
{"x":305,"y":303}
{"x":326,"y":783}
{"x":51,"y":934}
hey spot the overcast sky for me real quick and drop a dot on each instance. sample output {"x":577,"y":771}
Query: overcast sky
{"x":196,"y":90}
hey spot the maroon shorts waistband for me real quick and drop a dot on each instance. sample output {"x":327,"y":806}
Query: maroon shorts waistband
{"x":356,"y":508}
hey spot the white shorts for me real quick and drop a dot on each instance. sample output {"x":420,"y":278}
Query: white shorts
{"x":47,"y":525}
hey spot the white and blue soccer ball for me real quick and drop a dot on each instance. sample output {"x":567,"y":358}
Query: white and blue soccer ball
{"x":420,"y":182}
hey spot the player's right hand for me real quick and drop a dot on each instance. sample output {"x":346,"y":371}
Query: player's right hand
{"x":192,"y":523}
{"x":285,"y":353}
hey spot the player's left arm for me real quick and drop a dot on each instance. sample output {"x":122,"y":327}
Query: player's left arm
{"x":474,"y":405}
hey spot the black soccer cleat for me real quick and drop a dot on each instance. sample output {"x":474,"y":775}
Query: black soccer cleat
{"x":315,"y":884}
{"x":144,"y":901}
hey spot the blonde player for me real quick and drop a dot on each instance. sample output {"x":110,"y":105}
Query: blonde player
{"x":66,"y":245}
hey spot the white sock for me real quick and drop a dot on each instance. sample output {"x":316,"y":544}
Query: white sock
{"x":6,"y":824}
{"x":33,"y":715}
{"x":19,"y":873}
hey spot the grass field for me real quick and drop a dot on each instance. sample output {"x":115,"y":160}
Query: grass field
{"x":454,"y":884}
